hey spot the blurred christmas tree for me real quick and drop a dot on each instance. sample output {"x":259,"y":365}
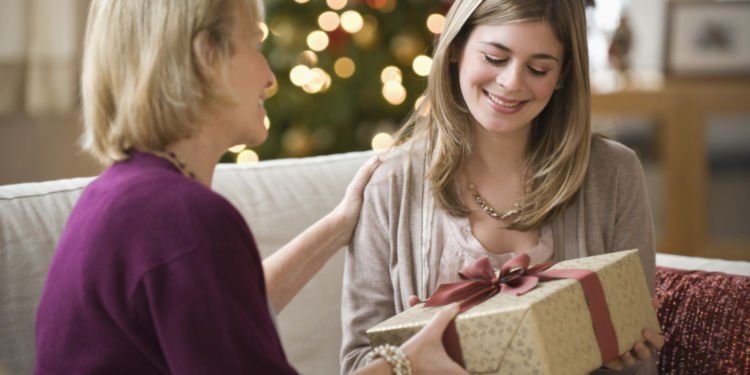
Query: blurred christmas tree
{"x":346,"y":71}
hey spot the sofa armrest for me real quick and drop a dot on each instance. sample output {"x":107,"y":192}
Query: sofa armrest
{"x":681,"y":262}
{"x":705,"y":319}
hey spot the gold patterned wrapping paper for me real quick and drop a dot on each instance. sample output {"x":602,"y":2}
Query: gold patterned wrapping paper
{"x":547,"y":330}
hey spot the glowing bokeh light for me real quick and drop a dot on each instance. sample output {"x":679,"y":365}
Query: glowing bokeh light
{"x":352,"y":21}
{"x":436,"y":23}
{"x":394,"y":93}
{"x":300,"y":75}
{"x":344,"y":67}
{"x":308,"y":58}
{"x":391,"y":74}
{"x":329,"y":21}
{"x":422,"y":107}
{"x":381,"y":141}
{"x":236,"y":149}
{"x":422,"y":65}
{"x":336,"y":4}
{"x":317,"y":40}
{"x":264,"y":30}
{"x":247,"y":156}
{"x":320,"y":81}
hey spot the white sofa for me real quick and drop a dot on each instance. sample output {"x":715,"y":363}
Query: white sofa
{"x":277,"y":198}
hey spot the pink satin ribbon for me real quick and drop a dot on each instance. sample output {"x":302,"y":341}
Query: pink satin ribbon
{"x":480,"y":283}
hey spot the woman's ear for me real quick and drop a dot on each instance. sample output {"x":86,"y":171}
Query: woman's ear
{"x":204,"y":54}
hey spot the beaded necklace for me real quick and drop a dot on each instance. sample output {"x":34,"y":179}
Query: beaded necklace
{"x":176,"y":161}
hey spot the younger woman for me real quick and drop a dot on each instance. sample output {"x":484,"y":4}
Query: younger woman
{"x":498,"y":160}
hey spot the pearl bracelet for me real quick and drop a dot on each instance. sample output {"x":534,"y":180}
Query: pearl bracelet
{"x":395,"y":357}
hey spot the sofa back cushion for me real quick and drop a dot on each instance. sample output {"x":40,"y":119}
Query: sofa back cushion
{"x":705,"y":318}
{"x":278,"y":199}
{"x":32,"y":217}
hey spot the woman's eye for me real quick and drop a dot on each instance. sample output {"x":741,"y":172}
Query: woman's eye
{"x":537,"y":72}
{"x":494,"y":61}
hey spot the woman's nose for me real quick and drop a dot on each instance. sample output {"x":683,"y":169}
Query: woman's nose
{"x":511,"y":78}
{"x":271,"y":78}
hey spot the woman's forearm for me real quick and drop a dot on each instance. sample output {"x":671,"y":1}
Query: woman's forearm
{"x":291,"y":267}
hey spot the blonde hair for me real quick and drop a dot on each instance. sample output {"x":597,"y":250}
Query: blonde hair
{"x":560,"y":139}
{"x":148,"y":70}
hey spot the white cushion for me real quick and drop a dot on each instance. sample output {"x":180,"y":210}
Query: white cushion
{"x":734,"y":267}
{"x":32,"y":217}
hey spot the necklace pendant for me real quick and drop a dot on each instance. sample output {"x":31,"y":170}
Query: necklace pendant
{"x":489,"y":210}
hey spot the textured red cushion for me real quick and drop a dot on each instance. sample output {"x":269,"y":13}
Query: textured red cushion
{"x":705,"y":318}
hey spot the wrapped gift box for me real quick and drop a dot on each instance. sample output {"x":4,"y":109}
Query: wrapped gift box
{"x":548,"y":330}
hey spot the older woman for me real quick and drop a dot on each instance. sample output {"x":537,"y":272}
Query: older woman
{"x":156,"y":273}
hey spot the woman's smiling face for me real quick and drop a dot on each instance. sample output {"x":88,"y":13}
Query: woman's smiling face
{"x":508,"y":73}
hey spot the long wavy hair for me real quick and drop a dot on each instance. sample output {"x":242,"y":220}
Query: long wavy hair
{"x":559,"y":146}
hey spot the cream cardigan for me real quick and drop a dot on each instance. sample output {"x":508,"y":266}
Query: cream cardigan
{"x":390,"y":257}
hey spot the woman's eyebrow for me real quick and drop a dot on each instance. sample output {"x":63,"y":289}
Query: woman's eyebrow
{"x":502,"y":47}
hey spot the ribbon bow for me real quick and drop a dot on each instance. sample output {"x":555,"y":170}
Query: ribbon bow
{"x":481,"y":282}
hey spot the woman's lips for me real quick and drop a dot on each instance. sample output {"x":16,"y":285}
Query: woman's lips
{"x":504,"y":105}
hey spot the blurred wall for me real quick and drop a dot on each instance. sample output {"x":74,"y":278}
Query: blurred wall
{"x":41,"y":149}
{"x":647,"y":18}
{"x":40,"y":48}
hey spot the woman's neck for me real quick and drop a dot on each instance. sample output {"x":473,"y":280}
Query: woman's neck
{"x":499,"y":155}
{"x":200,"y":153}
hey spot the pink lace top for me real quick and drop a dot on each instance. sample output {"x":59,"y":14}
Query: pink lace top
{"x":460,"y":247}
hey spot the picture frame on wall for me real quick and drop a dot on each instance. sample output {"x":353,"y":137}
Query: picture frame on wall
{"x":708,"y":38}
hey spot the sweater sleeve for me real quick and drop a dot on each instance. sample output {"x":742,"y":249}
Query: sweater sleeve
{"x":208,"y":308}
{"x":634,"y":228}
{"x":367,"y":298}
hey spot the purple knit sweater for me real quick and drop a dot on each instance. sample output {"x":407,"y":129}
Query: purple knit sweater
{"x":154,"y":274}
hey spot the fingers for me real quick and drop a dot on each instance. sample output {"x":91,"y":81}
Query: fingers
{"x":653,"y":339}
{"x":363,"y":175}
{"x":413,"y":300}
{"x":615,"y":365}
{"x":627,"y":359}
{"x":441,"y":320}
{"x":642,"y":352}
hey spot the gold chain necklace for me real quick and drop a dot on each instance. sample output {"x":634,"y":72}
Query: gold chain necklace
{"x":176,"y":161}
{"x":491,"y":211}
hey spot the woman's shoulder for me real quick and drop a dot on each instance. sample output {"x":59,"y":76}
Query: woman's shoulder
{"x":158,"y":194}
{"x":611,"y":163}
{"x":608,"y":154}
{"x":400,"y":162}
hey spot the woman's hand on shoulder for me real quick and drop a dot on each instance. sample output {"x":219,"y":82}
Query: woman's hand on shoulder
{"x":346,"y":214}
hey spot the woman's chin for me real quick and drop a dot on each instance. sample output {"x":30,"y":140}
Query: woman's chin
{"x":502,"y":127}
